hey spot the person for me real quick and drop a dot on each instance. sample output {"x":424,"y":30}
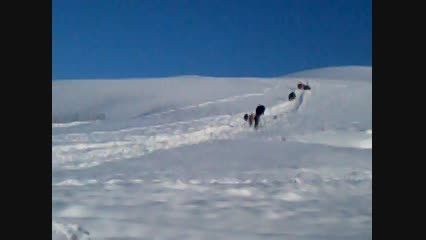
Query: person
{"x":302,"y":86}
{"x":291,"y":96}
{"x":249,"y":118}
{"x":306,"y":87}
{"x":260,"y":110}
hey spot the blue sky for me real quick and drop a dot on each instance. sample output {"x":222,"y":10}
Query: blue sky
{"x":230,"y":38}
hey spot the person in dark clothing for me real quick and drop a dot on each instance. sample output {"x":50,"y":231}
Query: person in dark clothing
{"x":302,"y":86}
{"x":291,"y":96}
{"x":306,"y":87}
{"x":260,"y":110}
{"x":249,"y":118}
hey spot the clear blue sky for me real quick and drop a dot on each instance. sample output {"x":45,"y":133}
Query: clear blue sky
{"x":154,"y":38}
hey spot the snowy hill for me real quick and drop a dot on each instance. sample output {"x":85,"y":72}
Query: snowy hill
{"x":82,"y":100}
{"x":362,"y":73}
{"x":172,"y":158}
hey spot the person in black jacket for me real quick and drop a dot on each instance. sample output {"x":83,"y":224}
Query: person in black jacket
{"x":302,"y":86}
{"x":306,"y":87}
{"x":291,"y":96}
{"x":260,"y":110}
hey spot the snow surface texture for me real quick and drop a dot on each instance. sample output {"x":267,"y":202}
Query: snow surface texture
{"x":173,"y":158}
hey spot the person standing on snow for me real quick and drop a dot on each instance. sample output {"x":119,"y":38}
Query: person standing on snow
{"x":260,"y":110}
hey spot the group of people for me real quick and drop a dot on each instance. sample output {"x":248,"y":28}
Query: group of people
{"x":254,"y":117}
{"x":260,"y":110}
{"x":300,"y":86}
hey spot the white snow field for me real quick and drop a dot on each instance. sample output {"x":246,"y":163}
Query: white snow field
{"x":172,"y":158}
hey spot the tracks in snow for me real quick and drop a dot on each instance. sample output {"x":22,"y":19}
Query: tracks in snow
{"x":83,"y":150}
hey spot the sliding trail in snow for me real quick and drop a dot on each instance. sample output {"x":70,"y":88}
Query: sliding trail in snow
{"x":83,"y":150}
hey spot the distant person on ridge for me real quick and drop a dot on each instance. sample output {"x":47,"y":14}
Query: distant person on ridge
{"x":302,"y":86}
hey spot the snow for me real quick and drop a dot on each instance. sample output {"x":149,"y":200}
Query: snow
{"x":358,"y":73}
{"x":172,"y":158}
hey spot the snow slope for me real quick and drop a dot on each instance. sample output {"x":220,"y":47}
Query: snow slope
{"x":358,"y":73}
{"x":172,"y":158}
